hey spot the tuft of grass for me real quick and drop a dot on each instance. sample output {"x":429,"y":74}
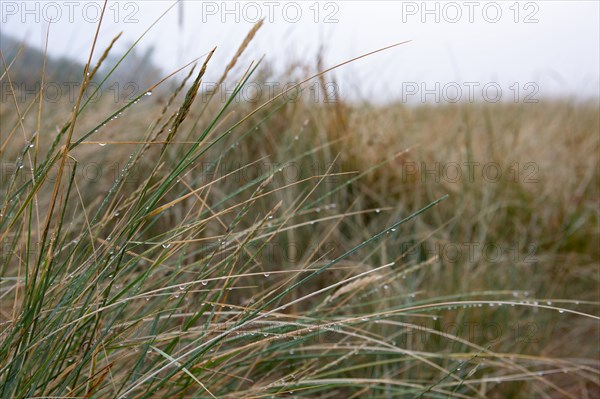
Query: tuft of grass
{"x":296,"y":249}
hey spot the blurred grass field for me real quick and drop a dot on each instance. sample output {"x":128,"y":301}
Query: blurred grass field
{"x":183,"y":245}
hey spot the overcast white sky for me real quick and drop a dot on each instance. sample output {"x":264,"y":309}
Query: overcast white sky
{"x":554,"y":44}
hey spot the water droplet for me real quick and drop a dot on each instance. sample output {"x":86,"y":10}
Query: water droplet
{"x":385,"y":287}
{"x":204,"y":282}
{"x":549,"y":303}
{"x":377,"y":210}
{"x":561,"y":311}
{"x":166,"y":245}
{"x":101,"y":144}
{"x":181,"y":288}
{"x":318,"y":210}
{"x":148,"y":93}
{"x":394,"y":229}
{"x":266,"y":274}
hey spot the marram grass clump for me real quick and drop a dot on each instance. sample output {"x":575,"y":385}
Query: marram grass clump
{"x":283,"y":249}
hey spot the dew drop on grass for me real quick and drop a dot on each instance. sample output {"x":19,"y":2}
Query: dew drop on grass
{"x":561,"y":311}
{"x":549,"y":303}
{"x":148,"y":93}
{"x":378,"y":210}
{"x":385,"y":287}
{"x":204,"y":282}
{"x":166,"y":245}
{"x":266,"y":274}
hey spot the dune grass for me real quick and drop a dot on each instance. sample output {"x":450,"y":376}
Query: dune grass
{"x":192,"y":247}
